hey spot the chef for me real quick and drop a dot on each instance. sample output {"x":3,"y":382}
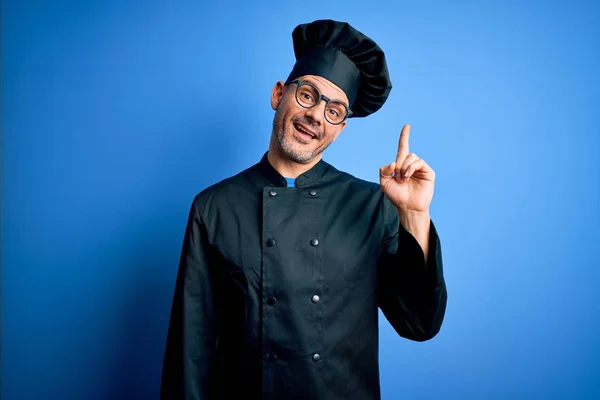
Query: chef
{"x":285,"y":265}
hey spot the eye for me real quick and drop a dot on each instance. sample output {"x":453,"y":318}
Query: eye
{"x":307,"y":96}
{"x":333,"y":112}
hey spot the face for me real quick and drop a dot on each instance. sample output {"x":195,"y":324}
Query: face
{"x":302,"y":134}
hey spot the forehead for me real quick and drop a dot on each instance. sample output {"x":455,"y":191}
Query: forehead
{"x":326,"y":87}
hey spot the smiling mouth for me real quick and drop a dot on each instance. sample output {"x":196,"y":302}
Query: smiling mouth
{"x":305,"y":132}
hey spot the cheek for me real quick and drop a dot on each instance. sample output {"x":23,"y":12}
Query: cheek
{"x":329,"y":135}
{"x":286,"y":113}
{"x":281,"y":115}
{"x":287,"y":104}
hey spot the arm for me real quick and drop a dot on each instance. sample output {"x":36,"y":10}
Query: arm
{"x":190,"y":347}
{"x":412,"y":290}
{"x":418,"y":224}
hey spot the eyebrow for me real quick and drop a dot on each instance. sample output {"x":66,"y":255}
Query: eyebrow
{"x":317,"y":86}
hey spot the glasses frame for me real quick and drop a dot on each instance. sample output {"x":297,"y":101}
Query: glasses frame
{"x":300,"y":83}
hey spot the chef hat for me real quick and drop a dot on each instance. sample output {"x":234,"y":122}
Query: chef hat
{"x":344,"y":56}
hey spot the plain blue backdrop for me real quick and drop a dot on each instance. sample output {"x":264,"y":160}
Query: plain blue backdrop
{"x":116,"y":113}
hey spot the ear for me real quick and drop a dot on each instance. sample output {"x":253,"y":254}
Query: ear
{"x":277,"y":94}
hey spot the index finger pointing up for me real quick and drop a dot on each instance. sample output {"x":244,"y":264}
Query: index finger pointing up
{"x":403,"y":144}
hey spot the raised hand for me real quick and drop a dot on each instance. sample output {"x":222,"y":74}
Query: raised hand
{"x":408,"y":182}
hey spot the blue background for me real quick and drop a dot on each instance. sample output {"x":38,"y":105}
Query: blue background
{"x":115,"y":114}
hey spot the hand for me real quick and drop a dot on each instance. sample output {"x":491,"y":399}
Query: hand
{"x":408,"y":182}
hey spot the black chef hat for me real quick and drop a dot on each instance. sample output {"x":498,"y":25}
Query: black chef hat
{"x":341,"y":54}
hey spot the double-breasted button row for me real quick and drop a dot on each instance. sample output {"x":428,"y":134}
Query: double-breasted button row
{"x":272,"y":300}
{"x":273,"y":192}
{"x":272,"y":242}
{"x":270,"y":357}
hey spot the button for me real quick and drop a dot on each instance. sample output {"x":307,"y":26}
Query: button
{"x":313,"y":192}
{"x":270,"y":242}
{"x":315,"y":299}
{"x":316,"y":357}
{"x":272,"y":192}
{"x":314,"y":242}
{"x":271,"y":301}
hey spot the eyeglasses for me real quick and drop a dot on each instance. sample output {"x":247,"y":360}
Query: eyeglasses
{"x":308,"y":96}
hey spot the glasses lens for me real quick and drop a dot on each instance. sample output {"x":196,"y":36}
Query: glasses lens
{"x":307,"y":95}
{"x":336,"y":112}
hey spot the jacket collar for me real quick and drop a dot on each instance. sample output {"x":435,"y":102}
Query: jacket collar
{"x":273,"y":177}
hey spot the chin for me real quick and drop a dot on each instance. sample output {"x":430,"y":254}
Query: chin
{"x":294,"y":151}
{"x":302,"y":157}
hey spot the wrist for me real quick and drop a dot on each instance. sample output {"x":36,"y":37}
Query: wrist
{"x":418,"y":224}
{"x":414,"y":218}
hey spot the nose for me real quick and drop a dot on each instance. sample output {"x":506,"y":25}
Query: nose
{"x":317,"y":113}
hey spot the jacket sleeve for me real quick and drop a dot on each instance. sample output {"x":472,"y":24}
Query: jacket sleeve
{"x":412,"y":293}
{"x":191,"y":338}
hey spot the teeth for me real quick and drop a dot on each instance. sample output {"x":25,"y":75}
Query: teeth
{"x":302,"y":130}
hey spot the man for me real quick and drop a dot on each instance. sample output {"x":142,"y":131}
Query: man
{"x":285,"y":265}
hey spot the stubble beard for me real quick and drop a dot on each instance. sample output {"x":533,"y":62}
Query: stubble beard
{"x":288,"y":144}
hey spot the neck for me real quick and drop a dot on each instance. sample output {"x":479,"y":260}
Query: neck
{"x":286,"y":167}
